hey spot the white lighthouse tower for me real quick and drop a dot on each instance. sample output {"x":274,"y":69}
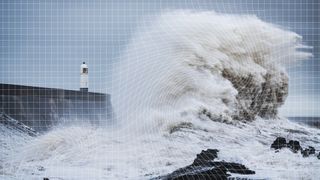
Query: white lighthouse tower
{"x":84,"y":77}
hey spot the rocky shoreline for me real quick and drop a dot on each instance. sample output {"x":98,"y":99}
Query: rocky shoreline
{"x":204,"y":166}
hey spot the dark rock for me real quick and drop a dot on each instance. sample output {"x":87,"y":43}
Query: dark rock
{"x":205,"y":156}
{"x":318,"y":156}
{"x":308,"y":151}
{"x":305,"y":153}
{"x":204,"y":167}
{"x":294,"y":146}
{"x":312,"y":150}
{"x":279,"y":143}
{"x":233,"y":167}
{"x":45,"y":178}
{"x":197,"y":172}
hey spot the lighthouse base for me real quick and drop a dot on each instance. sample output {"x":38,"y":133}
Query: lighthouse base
{"x":84,"y":89}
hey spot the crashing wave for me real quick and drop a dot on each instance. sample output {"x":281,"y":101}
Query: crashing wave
{"x":177,"y":78}
{"x":230,"y":66}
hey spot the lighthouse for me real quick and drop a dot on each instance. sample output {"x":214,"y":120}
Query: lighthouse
{"x":84,"y":77}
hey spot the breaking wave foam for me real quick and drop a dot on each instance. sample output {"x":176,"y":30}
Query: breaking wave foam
{"x":184,"y":63}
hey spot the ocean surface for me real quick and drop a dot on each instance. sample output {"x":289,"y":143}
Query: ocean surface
{"x":310,"y":121}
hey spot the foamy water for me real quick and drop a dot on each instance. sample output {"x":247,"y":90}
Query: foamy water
{"x":170,"y":72}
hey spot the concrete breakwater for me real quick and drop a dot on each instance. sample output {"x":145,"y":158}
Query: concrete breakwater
{"x":41,"y":108}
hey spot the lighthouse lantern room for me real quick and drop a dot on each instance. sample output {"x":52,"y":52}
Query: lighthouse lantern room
{"x":84,"y":77}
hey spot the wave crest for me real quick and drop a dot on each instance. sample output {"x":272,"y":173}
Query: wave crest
{"x":184,"y":62}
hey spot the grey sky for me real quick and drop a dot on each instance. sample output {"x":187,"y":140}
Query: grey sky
{"x":44,"y":42}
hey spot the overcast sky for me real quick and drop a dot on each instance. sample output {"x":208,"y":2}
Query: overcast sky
{"x":44,"y":42}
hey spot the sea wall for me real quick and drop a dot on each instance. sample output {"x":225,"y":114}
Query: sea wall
{"x":42,"y":108}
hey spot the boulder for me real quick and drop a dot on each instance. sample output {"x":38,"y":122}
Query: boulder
{"x":294,"y":146}
{"x":279,"y":143}
{"x":204,"y":167}
{"x":205,"y":157}
{"x":308,"y":151}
